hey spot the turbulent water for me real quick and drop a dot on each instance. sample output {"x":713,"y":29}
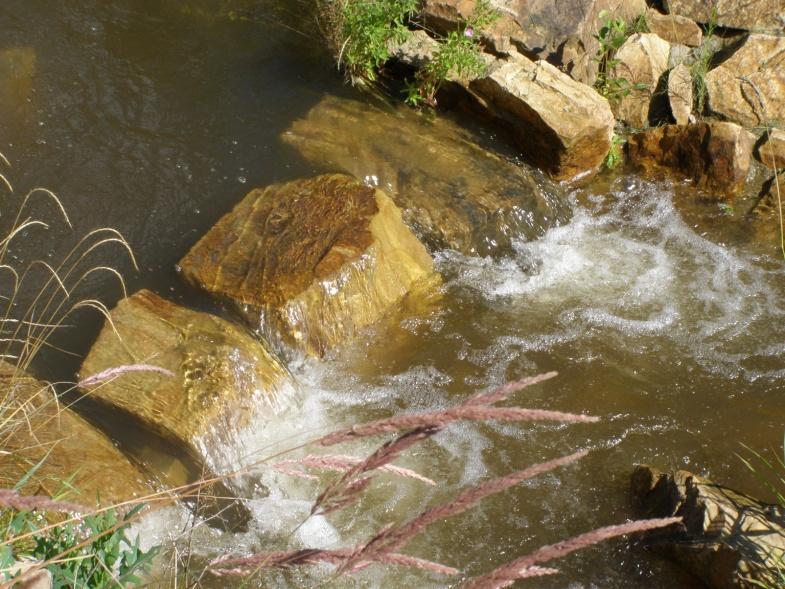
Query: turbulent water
{"x":660,"y":316}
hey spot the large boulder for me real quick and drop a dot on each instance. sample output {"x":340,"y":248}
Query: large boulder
{"x":729,"y":540}
{"x":71,"y":452}
{"x":313,"y":260}
{"x":642,"y":60}
{"x":772,"y":151}
{"x":222,"y":379}
{"x":715,"y":156}
{"x":749,"y":87}
{"x":674,"y":28}
{"x":564,"y":31}
{"x":452,"y":192}
{"x":764,"y":16}
{"x":563,"y":126}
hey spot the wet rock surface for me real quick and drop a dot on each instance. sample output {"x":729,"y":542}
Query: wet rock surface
{"x":223,"y":377}
{"x":729,"y":540}
{"x":452,"y":192}
{"x":314,"y":260}
{"x":560,"y":125}
{"x":40,"y":429}
{"x":749,"y":87}
{"x":716,"y":156}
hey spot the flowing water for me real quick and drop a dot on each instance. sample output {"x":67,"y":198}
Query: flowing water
{"x":661,"y":317}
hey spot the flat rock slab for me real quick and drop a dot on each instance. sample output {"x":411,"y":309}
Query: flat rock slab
{"x":452,"y":192}
{"x":729,"y":540}
{"x":749,"y":87}
{"x":715,"y":156}
{"x":224,"y":379}
{"x":314,"y":260}
{"x":562,"y":126}
{"x":37,"y":425}
{"x":674,"y":28}
{"x":763,"y":16}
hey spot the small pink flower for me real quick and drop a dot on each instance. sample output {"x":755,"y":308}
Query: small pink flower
{"x":469,"y":32}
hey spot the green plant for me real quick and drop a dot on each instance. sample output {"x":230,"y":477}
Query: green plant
{"x":615,"y":155}
{"x":459,"y":54}
{"x":702,"y":63}
{"x":93,"y":551}
{"x":611,"y":36}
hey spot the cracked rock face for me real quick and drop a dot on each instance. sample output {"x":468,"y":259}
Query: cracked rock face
{"x":312,"y":261}
{"x":729,"y":540}
{"x":762,"y":16}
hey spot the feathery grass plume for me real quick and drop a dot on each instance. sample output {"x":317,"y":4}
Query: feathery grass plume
{"x":15,"y":500}
{"x":112,"y":373}
{"x":520,"y":568}
{"x":340,"y":463}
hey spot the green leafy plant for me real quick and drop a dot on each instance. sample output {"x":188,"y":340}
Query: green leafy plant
{"x":615,"y":156}
{"x":702,"y":63}
{"x":459,"y":54}
{"x":611,"y":36}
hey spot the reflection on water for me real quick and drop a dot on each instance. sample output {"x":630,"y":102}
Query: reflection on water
{"x":156,"y":120}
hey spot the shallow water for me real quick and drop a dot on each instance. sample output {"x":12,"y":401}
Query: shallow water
{"x":660,"y":316}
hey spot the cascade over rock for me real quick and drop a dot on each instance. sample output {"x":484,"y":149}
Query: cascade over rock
{"x":40,"y":429}
{"x":313,"y":260}
{"x":716,"y":156}
{"x":452,"y":192}
{"x":729,"y":540}
{"x":224,"y":378}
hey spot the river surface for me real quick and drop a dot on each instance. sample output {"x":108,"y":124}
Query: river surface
{"x":661,"y":317}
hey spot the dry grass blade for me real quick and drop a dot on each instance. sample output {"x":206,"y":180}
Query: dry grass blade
{"x":340,"y":463}
{"x":112,"y":373}
{"x":12,"y":499}
{"x":507,"y":574}
{"x":503,"y":392}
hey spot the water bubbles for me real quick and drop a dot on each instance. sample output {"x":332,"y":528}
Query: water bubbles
{"x":242,"y":179}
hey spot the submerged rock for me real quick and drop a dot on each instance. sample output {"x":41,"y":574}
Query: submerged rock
{"x":751,"y":15}
{"x":224,"y":379}
{"x":452,"y":192}
{"x":17,"y":70}
{"x":40,"y":429}
{"x":314,"y":260}
{"x":749,"y":87}
{"x":560,"y":125}
{"x":716,"y":156}
{"x":729,"y":540}
{"x":642,"y":59}
{"x":674,"y":28}
{"x":680,"y":93}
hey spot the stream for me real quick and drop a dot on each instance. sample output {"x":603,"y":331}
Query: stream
{"x":661,"y":315}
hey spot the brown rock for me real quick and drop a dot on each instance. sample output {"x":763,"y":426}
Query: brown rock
{"x":680,"y":94}
{"x":37,"y":428}
{"x":749,"y":88}
{"x":223,"y":377}
{"x":772,"y":150}
{"x":314,"y":259}
{"x":716,"y":156}
{"x":675,"y":29}
{"x":452,"y":192}
{"x":728,"y":540}
{"x":762,"y":16}
{"x":561,"y":125}
{"x":642,"y":60}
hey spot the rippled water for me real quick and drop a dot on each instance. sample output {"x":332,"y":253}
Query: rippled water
{"x":156,"y":117}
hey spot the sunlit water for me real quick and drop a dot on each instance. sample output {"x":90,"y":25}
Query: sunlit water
{"x":155,"y":120}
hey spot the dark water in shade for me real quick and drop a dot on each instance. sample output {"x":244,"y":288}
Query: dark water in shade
{"x":155,"y":117}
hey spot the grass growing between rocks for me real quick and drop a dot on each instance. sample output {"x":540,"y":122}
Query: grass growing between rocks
{"x":613,"y":33}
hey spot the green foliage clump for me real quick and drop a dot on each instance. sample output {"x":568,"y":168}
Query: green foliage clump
{"x":702,"y":63}
{"x":89,"y":553}
{"x":611,"y":36}
{"x":615,"y":156}
{"x":459,"y":54}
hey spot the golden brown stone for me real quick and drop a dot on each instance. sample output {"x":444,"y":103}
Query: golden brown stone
{"x":315,"y":259}
{"x":39,"y":429}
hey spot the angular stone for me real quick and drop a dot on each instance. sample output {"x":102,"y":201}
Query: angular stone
{"x":315,"y":260}
{"x":642,"y":60}
{"x":772,"y":150}
{"x":749,"y":88}
{"x":762,"y":16}
{"x":716,"y":156}
{"x":541,"y":28}
{"x":675,"y":29}
{"x":224,"y":378}
{"x":561,"y":125}
{"x":417,"y":50}
{"x":40,"y":429}
{"x":728,"y":539}
{"x":452,"y":192}
{"x":680,"y":94}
